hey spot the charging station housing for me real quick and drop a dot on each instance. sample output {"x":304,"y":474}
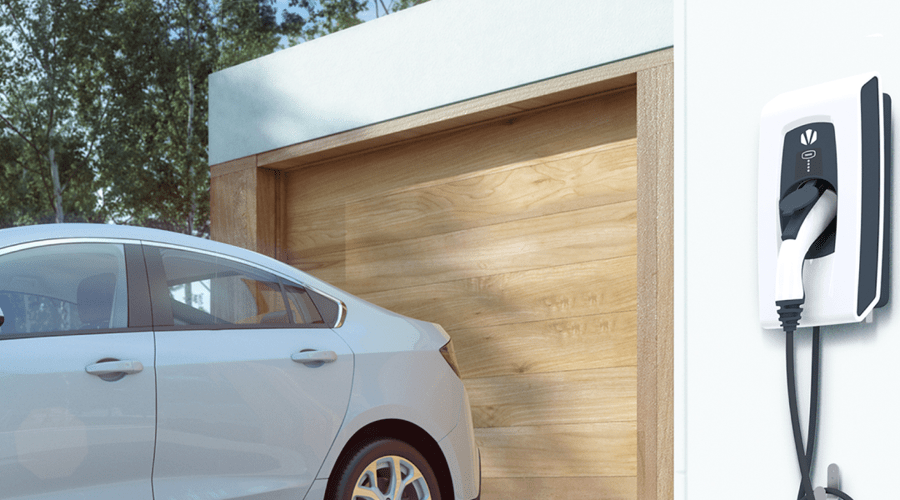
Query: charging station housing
{"x":834,"y":134}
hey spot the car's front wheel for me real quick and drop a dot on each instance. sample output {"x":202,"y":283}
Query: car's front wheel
{"x":388,"y":469}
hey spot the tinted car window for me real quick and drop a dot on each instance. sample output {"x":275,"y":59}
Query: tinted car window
{"x":209,"y":291}
{"x":328,"y":308}
{"x":63,"y":288}
{"x":303,"y":309}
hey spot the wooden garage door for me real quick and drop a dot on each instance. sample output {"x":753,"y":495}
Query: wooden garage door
{"x":519,"y":237}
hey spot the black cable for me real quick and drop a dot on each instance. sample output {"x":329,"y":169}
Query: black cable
{"x":806,"y":460}
{"x":813,"y":404}
{"x":805,"y":483}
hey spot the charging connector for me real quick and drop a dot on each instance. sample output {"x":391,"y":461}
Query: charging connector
{"x":809,"y":210}
{"x":807,"y":224}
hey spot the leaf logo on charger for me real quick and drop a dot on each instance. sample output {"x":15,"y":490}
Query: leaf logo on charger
{"x":808,"y":137}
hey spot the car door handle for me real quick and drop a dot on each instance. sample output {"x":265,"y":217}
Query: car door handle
{"x":110,"y":367}
{"x":308,"y":357}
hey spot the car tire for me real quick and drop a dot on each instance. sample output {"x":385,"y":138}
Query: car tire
{"x":387,"y":469}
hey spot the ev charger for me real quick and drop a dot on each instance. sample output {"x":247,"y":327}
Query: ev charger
{"x":822,"y":146}
{"x":824,"y":226}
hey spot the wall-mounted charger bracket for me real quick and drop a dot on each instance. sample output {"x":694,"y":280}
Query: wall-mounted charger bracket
{"x":821,"y":141}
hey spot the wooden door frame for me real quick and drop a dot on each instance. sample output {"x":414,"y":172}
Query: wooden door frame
{"x":247,"y":207}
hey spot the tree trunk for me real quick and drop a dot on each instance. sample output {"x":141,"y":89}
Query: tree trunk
{"x":190,"y":133}
{"x":57,"y":190}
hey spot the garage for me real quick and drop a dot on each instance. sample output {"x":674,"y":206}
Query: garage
{"x":534,"y":225}
{"x":522,"y":245}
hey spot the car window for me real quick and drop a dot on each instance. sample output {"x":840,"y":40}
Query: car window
{"x":303,"y":309}
{"x":205,"y":290}
{"x":63,"y":288}
{"x":329,"y":308}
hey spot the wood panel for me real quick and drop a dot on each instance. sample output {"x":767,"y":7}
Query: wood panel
{"x":576,"y":126}
{"x":245,"y":163}
{"x":656,"y":159}
{"x":576,"y":450}
{"x":565,"y":182}
{"x":266,"y":211}
{"x":560,"y":488}
{"x":553,"y":240}
{"x":555,"y":293}
{"x":520,"y":332}
{"x":246,"y":208}
{"x":519,"y":237}
{"x":564,"y":397}
{"x":232,"y":210}
{"x":572,"y":343}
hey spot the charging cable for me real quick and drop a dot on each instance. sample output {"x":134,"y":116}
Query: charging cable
{"x":806,"y":459}
{"x":809,"y":209}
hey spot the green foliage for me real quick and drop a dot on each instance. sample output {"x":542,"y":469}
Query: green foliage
{"x":45,"y":151}
{"x":150,"y":91}
{"x":246,"y":30}
{"x":327,"y":16}
{"x":398,"y":5}
{"x":104,"y":103}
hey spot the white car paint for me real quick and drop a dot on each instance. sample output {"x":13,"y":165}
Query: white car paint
{"x":217,"y":413}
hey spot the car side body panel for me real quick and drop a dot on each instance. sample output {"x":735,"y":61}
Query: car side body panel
{"x":403,"y":378}
{"x":465,"y":467}
{"x":239,"y":419}
{"x":389,"y":365}
{"x":62,"y":430}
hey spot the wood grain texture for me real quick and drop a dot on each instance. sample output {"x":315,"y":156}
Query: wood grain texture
{"x":560,"y":488}
{"x":247,"y":209}
{"x":232,"y":199}
{"x":655,"y":283}
{"x":576,"y":450}
{"x":585,"y":289}
{"x":553,"y":240}
{"x":565,"y":182}
{"x":280,"y":216}
{"x":602,"y":120}
{"x":519,"y":332}
{"x":564,"y":397}
{"x":245,"y":163}
{"x":266,"y":211}
{"x":572,"y":343}
{"x":527,"y":97}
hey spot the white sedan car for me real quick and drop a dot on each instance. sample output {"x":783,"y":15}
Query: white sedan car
{"x":142,"y":364}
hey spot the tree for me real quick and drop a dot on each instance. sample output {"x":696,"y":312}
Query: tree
{"x":245,"y":30}
{"x":104,"y":103}
{"x":396,"y":5}
{"x":323,"y":17}
{"x":46,"y":153}
{"x":150,"y":86}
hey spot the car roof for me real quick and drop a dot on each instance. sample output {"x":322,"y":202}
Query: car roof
{"x":44,"y":232}
{"x":25,"y":234}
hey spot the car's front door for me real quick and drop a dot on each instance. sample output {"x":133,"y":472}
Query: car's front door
{"x":77,"y":384}
{"x":251,"y":393}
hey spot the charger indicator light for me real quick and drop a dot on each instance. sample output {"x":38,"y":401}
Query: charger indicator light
{"x":808,"y":163}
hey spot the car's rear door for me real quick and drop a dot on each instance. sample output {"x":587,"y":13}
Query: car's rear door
{"x":250,"y":393}
{"x":77,"y":384}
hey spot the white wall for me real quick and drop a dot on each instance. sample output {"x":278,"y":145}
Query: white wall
{"x":738,"y":443}
{"x":435,"y":54}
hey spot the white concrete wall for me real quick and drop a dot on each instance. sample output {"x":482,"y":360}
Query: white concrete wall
{"x":734,"y":57}
{"x":435,"y":54}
